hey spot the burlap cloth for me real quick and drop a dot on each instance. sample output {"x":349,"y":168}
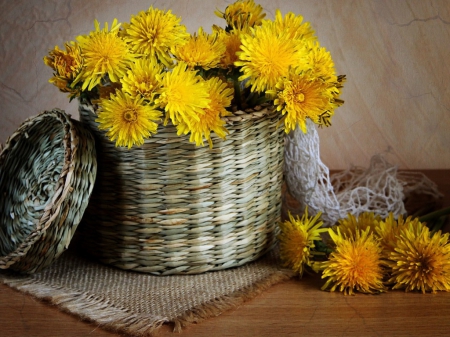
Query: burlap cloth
{"x":138,"y":304}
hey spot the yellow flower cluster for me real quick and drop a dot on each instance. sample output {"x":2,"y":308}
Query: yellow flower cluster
{"x":151,"y":68}
{"x":370,"y":254}
{"x":297,"y":239}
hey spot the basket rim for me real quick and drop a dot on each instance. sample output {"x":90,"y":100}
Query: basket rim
{"x":238,"y":116}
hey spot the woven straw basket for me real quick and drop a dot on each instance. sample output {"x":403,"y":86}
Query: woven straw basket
{"x":169,"y":207}
{"x":47,"y":173}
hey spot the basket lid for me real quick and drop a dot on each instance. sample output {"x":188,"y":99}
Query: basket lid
{"x":47,"y":172}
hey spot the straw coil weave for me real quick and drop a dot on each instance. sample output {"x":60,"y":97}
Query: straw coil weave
{"x":47,"y":173}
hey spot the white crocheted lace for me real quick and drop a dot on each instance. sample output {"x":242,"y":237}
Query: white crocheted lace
{"x":380,"y":188}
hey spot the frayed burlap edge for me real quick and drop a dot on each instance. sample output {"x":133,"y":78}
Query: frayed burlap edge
{"x":100,"y":311}
{"x":91,"y":308}
{"x":224,"y":303}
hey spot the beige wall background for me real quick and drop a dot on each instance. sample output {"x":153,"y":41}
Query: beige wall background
{"x":395,"y":54}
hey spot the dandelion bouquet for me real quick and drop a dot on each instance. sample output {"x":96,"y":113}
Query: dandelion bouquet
{"x":151,"y":70}
{"x":369,"y":254}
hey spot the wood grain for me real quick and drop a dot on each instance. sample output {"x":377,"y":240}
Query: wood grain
{"x":394,"y":53}
{"x":293,"y":308}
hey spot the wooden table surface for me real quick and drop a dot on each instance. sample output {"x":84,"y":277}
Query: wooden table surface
{"x":292,"y":308}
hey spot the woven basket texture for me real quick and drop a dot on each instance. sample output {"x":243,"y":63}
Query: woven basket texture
{"x":47,"y":173}
{"x":169,"y":207}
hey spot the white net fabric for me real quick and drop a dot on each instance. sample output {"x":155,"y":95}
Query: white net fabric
{"x":380,"y":188}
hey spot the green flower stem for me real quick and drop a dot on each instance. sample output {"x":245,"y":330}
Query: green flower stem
{"x":237,"y":93}
{"x":321,"y":248}
{"x":423,"y":211}
{"x":435,"y":215}
{"x":437,"y":225}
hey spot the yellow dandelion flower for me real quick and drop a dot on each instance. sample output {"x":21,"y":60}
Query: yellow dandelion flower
{"x":302,"y":96}
{"x":389,"y":230}
{"x":334,"y":88}
{"x":420,"y":260}
{"x":202,"y":50}
{"x":143,"y":78}
{"x":242,"y":13}
{"x":355,"y":265}
{"x":64,"y":86}
{"x":154,"y":32}
{"x":350,"y":225}
{"x":66,"y":64}
{"x":220,"y":97}
{"x":266,"y":56}
{"x":320,"y":62}
{"x":128,"y":120}
{"x":104,"y":53}
{"x":183,"y":95}
{"x":297,"y":238}
{"x":294,"y":26}
{"x":232,"y":42}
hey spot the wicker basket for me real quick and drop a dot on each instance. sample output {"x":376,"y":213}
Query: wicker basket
{"x":169,"y":207}
{"x":47,"y":173}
